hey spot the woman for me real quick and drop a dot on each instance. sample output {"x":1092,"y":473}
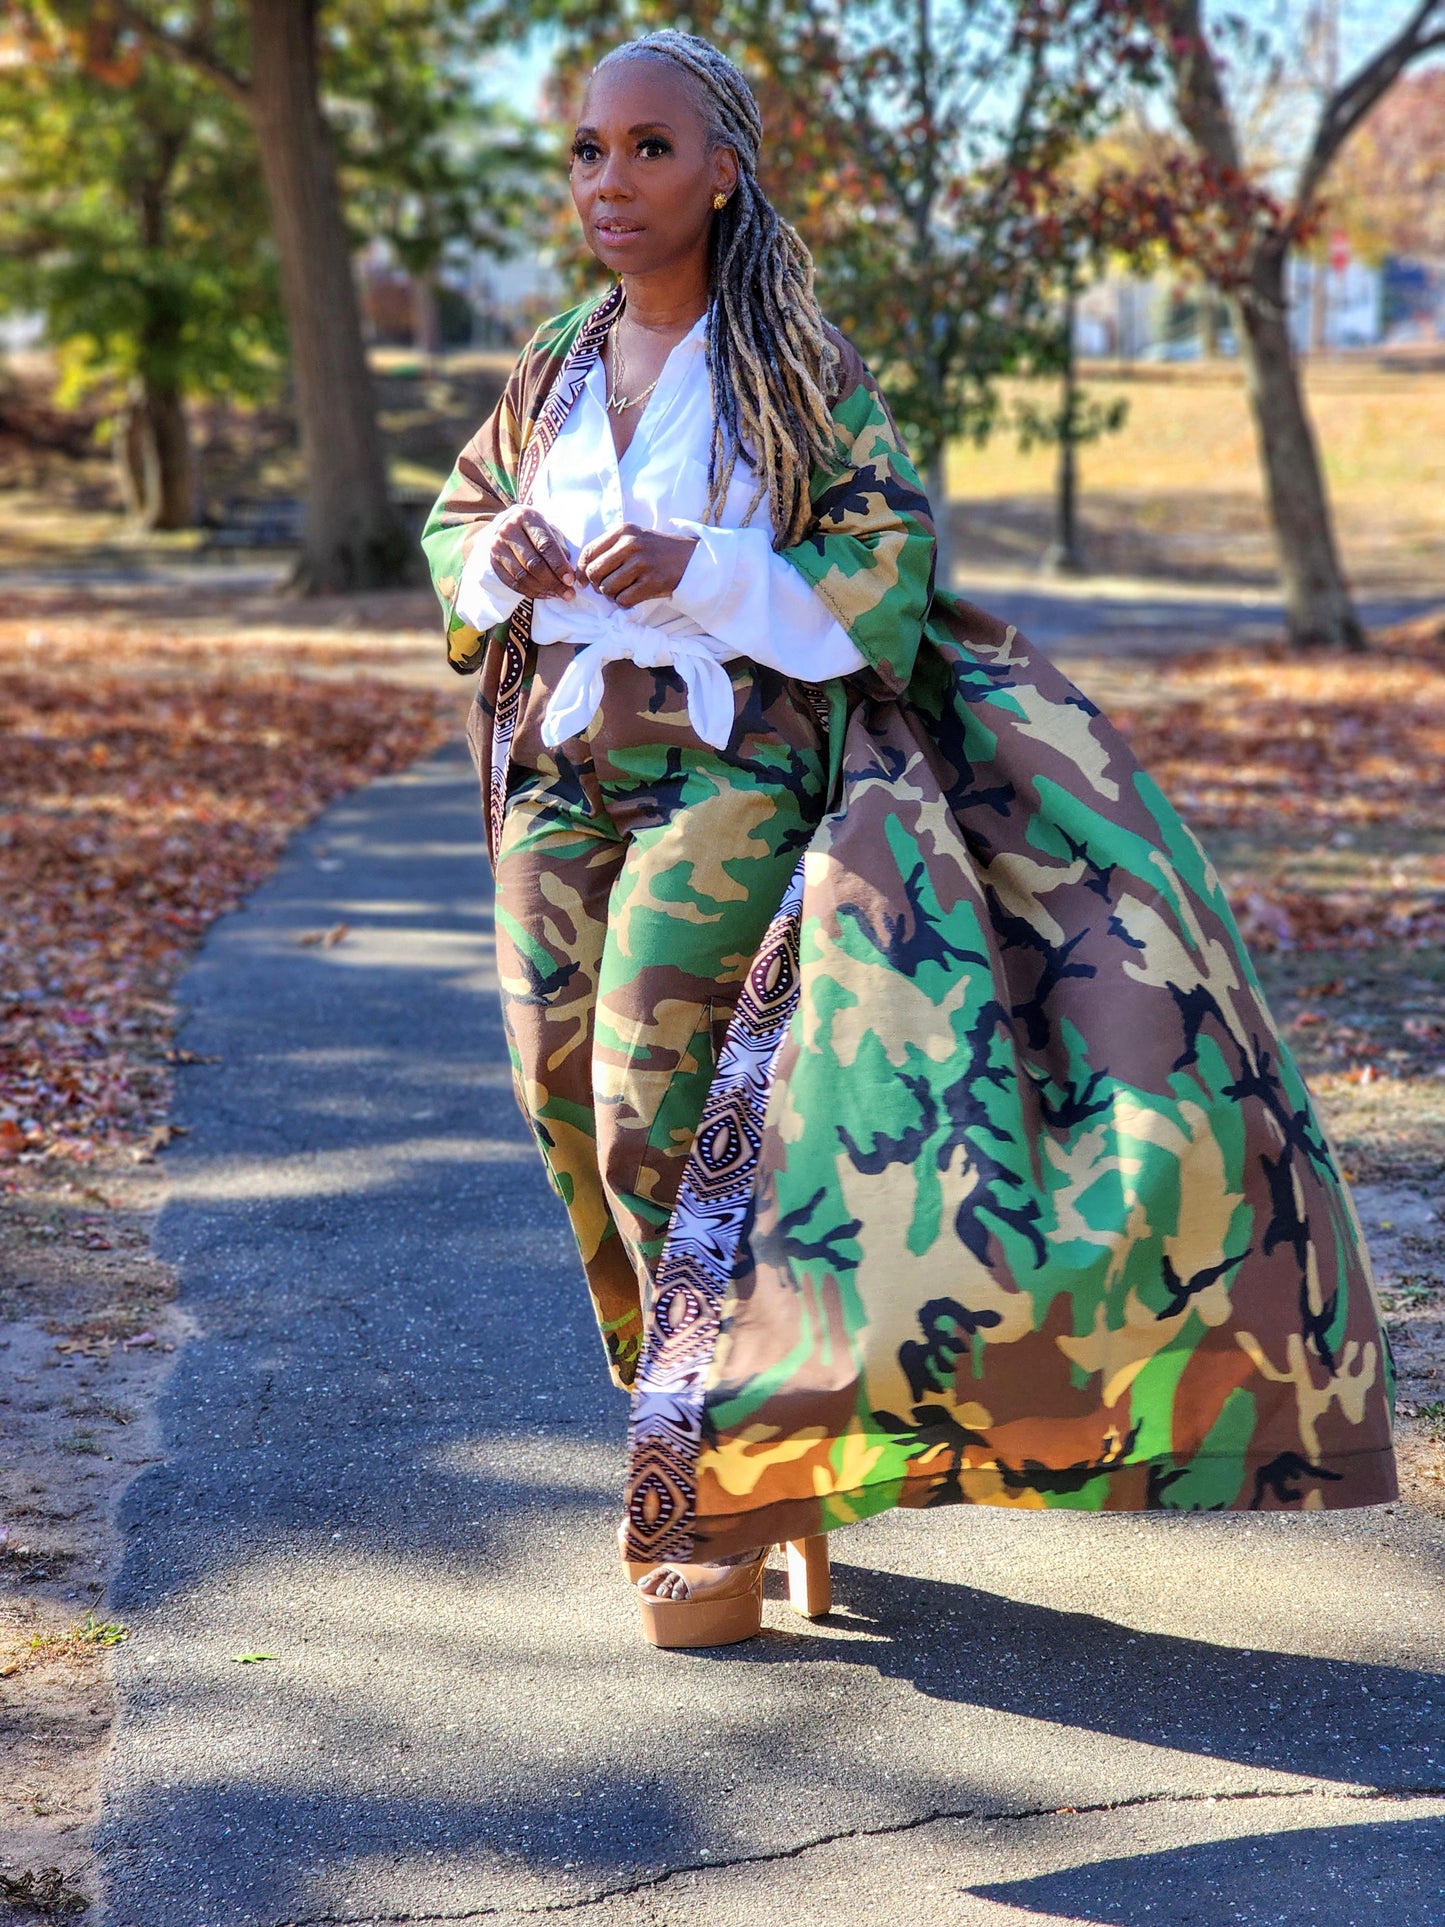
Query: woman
{"x":888,"y":1038}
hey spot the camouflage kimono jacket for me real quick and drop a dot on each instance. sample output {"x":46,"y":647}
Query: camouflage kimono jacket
{"x":1007,"y":1190}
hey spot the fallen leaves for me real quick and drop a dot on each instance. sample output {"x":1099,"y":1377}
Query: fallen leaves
{"x":1273,"y":916}
{"x":1329,"y":747}
{"x":1330,"y":741}
{"x":328,"y":939}
{"x":47,"y":1891}
{"x":137,"y":805}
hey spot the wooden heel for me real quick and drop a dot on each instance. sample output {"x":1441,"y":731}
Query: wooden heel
{"x":810,"y":1583}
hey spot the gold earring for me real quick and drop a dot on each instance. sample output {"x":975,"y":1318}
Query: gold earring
{"x":719,"y":200}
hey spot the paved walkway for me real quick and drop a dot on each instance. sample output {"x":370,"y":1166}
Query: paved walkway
{"x":392,"y":1461}
{"x":1135,"y":615}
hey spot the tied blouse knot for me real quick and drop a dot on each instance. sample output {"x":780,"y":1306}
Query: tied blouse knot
{"x":737,"y":596}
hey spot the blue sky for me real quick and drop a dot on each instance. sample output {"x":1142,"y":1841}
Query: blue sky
{"x":516,"y":75}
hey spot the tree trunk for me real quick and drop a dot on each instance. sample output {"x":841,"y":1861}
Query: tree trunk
{"x":153,"y":457}
{"x":426,"y":326}
{"x":936,"y":487}
{"x":1209,"y":324}
{"x":1318,"y":608}
{"x":1064,"y":556}
{"x":352,"y":537}
{"x":134,"y":458}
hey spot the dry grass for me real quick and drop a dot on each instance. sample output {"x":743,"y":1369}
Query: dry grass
{"x":84,"y":1640}
{"x":1178,"y":491}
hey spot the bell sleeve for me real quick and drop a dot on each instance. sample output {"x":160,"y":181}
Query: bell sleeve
{"x":747,"y":597}
{"x":869,"y":556}
{"x":481,"y":486}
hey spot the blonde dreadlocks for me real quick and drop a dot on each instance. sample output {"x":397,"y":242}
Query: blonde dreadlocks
{"x":769,"y":357}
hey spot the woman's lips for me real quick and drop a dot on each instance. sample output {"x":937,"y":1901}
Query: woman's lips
{"x":610,"y":233}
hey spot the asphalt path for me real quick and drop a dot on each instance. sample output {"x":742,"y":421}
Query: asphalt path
{"x":391,"y":1460}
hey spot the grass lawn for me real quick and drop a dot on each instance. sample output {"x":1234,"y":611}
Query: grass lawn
{"x":1177,"y":492}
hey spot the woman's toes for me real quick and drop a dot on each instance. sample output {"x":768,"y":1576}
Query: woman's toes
{"x":664,"y":1584}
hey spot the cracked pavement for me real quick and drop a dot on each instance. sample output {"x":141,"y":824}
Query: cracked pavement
{"x":391,"y":1459}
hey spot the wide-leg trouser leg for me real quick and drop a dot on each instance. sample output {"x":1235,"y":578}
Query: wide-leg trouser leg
{"x":635,"y":881}
{"x":555,"y":872}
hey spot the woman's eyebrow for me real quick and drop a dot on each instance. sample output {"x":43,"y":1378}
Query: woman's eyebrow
{"x":642,"y":127}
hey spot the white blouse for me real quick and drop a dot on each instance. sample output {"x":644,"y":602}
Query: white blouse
{"x":737,"y":596}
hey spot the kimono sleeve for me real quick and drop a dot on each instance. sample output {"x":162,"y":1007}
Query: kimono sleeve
{"x":483,"y":483}
{"x":870,"y":553}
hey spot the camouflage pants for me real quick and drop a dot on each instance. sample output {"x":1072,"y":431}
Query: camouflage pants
{"x":637,"y":874}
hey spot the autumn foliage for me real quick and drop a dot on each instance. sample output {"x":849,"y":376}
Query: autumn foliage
{"x":1328,"y":752}
{"x":138,"y":804}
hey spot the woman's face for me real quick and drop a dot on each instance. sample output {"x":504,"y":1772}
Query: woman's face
{"x":642,"y":178}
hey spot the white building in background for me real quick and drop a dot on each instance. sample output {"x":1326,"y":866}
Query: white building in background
{"x":1114,"y":319}
{"x":491,"y":300}
{"x":510,"y":295}
{"x":1337,"y":304}
{"x":1160,"y":318}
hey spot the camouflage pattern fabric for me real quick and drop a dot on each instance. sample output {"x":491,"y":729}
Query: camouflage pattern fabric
{"x":1006,"y":1189}
{"x":638,"y":870}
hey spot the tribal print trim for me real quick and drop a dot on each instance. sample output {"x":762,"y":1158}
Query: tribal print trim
{"x":709,"y":1220}
{"x":555,"y":410}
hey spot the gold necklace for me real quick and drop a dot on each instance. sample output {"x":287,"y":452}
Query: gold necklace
{"x":617,"y":401}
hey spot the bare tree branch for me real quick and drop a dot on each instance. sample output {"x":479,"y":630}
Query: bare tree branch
{"x":1199,"y":91}
{"x":875,"y":150}
{"x":1344,"y":111}
{"x":201,"y":58}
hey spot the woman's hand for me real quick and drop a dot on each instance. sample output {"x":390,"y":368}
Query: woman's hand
{"x":530,"y":557}
{"x":631,"y":565}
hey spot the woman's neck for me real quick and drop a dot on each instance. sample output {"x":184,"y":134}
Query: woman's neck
{"x":665,"y":304}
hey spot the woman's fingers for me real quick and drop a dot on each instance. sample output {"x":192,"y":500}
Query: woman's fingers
{"x":622,"y":565}
{"x":549,"y":547}
{"x":627,"y":589}
{"x":632,"y":565}
{"x":604,"y":552}
{"x":529,"y":557}
{"x":610,"y":571}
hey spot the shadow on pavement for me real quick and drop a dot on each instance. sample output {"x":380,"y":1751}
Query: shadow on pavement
{"x":1392,"y":1872}
{"x":284,"y":1856}
{"x":1369,"y":1725}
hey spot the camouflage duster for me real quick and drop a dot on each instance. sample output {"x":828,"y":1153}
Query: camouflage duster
{"x":1007,"y":1189}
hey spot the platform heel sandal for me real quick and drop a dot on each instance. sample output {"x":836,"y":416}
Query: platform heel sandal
{"x":724,"y":1605}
